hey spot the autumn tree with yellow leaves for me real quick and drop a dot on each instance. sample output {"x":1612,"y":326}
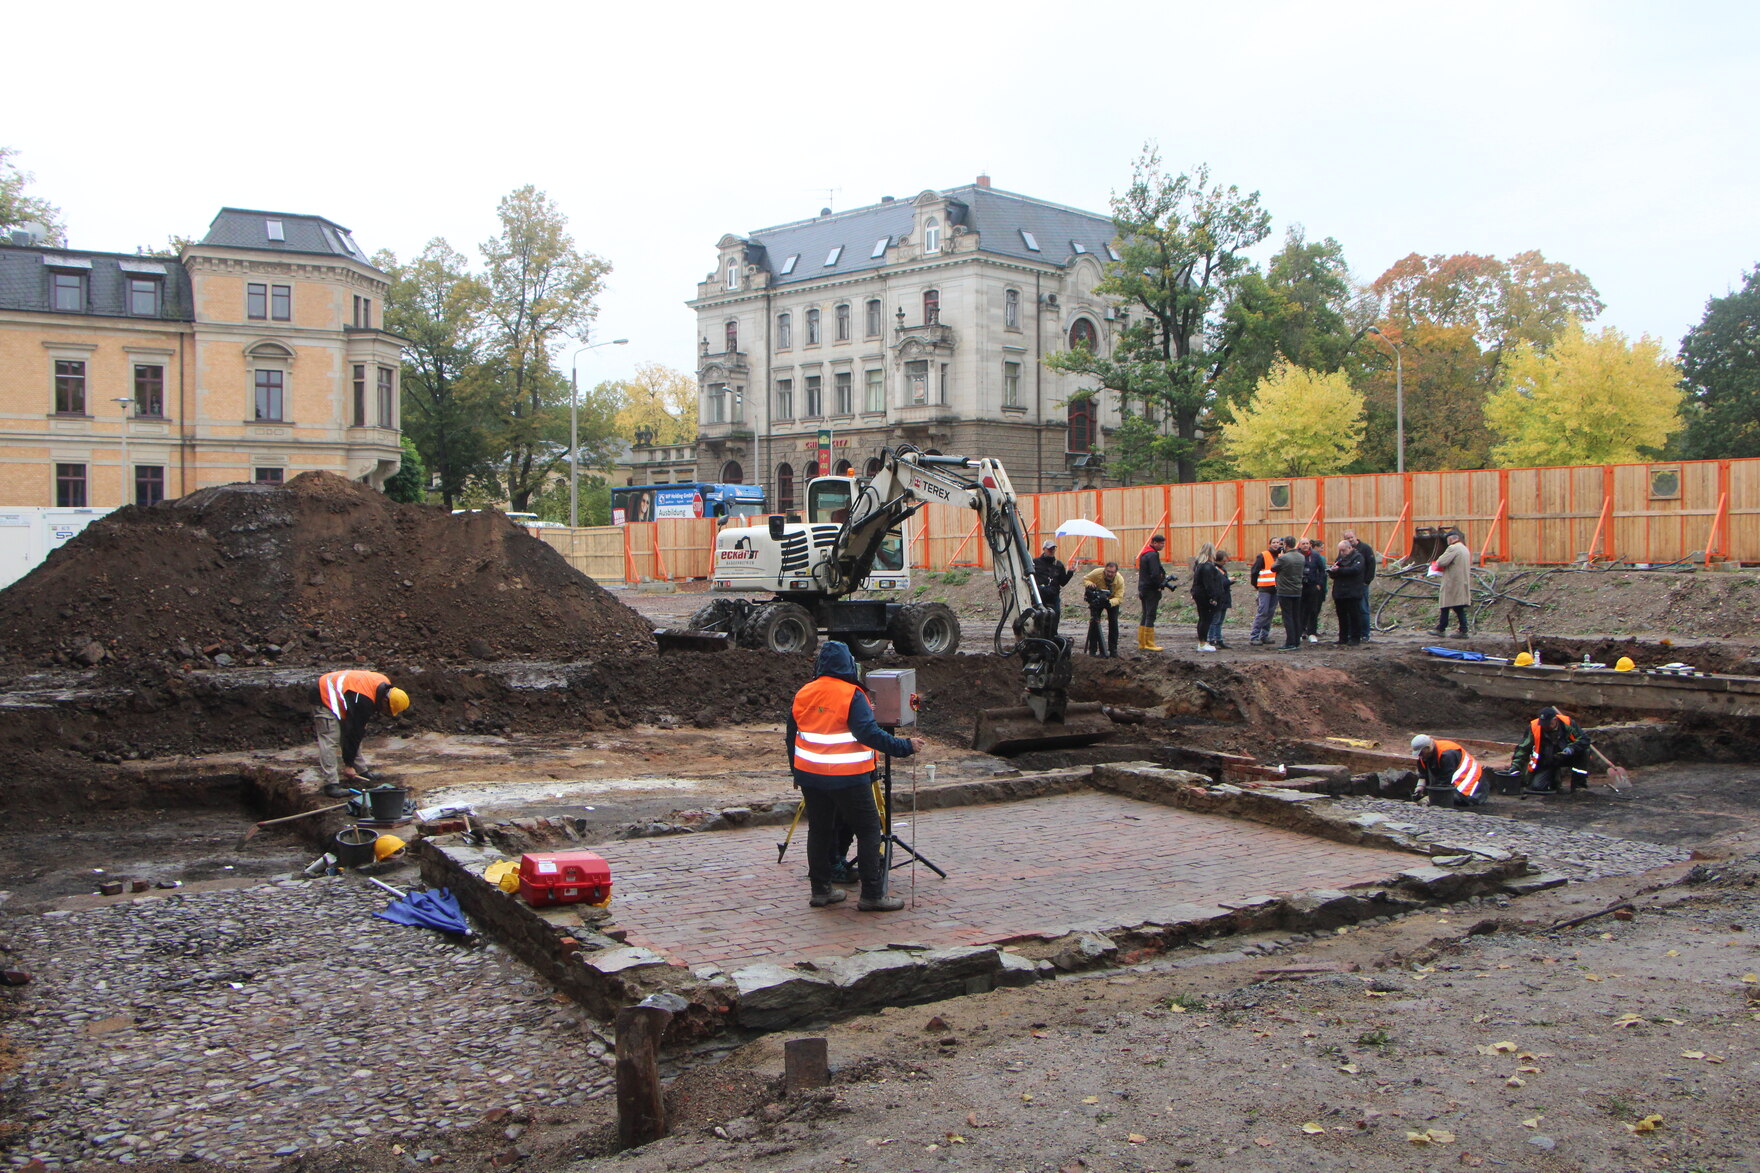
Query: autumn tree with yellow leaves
{"x":1591,"y":399}
{"x":1299,"y":423}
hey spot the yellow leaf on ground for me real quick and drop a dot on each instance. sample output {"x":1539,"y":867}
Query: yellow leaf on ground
{"x":955,"y":1138}
{"x":1647,"y":1124}
{"x":1672,"y":953}
{"x":1515,"y":1081}
{"x":1313,"y":1129}
{"x":1431,"y":1136}
{"x":1607,"y":936}
{"x":1506,"y":1047}
{"x":1692,"y":1054}
{"x":1090,"y":1099}
{"x":1349,"y":1068}
{"x":1751,"y":978}
{"x":1262,"y":1141}
{"x":1137,"y":1138}
{"x":1026,"y":1097}
{"x":1529,"y":1070}
{"x":1176,"y":1008}
{"x":1591,"y":977}
{"x":1628,"y":1020}
{"x":1531,"y":1122}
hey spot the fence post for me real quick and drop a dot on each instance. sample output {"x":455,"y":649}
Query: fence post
{"x":1503,"y":526}
{"x":629,"y":556}
{"x":641,"y":1100}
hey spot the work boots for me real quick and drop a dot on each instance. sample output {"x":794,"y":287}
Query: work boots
{"x":824,"y":894}
{"x":1146,"y":639}
{"x":878,"y":903}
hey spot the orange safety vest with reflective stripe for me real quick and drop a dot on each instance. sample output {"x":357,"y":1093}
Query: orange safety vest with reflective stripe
{"x":1534,"y":732}
{"x":1266,"y":577}
{"x":334,"y":687}
{"x":823,"y":743}
{"x":1469,"y":775}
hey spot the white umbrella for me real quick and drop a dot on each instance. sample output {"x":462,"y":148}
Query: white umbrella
{"x":1081,"y":527}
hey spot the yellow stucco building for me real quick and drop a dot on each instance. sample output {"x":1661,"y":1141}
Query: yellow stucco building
{"x":255,"y":355}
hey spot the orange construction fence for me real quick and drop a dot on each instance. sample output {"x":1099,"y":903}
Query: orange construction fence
{"x":1655,"y":513}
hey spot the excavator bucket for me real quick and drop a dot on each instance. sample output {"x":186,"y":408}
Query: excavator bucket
{"x":1018,"y":730}
{"x":692,"y":640}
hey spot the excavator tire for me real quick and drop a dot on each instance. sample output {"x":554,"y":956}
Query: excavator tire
{"x":782,"y":627}
{"x":715,"y":615}
{"x":866,"y":649}
{"x":926,"y":629}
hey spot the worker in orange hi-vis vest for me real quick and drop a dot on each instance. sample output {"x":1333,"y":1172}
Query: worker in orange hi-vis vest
{"x":832,"y":742}
{"x":1449,"y":772}
{"x":346,"y":701}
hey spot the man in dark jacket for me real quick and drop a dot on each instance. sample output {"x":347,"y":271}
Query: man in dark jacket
{"x":1151,"y":578}
{"x":1313,"y":589}
{"x":832,"y":741}
{"x":1552,"y":749}
{"x":1369,"y":560}
{"x":1051,"y":576}
{"x":1289,"y":570}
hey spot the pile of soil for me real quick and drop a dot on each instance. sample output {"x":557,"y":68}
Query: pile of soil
{"x":321,"y":570}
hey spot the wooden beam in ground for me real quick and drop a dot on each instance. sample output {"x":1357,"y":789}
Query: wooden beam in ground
{"x":641,"y":1101}
{"x":1638,"y":692}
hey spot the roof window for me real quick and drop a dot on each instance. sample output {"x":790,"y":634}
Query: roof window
{"x":1076,"y":246}
{"x":788,"y":265}
{"x":880,"y":247}
{"x":1113,"y":253}
{"x":1030,"y":240}
{"x":274,"y":229}
{"x":831,"y":257}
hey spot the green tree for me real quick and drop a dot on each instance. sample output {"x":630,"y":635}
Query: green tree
{"x":1299,"y":423}
{"x":661,"y":400}
{"x":541,"y":290}
{"x":441,"y":309}
{"x":409,"y":483}
{"x":1304,"y":308}
{"x":1182,"y":244}
{"x":17,"y":206}
{"x":1591,"y":399}
{"x":1720,"y":372}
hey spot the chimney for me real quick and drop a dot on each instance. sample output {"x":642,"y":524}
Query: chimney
{"x":886,"y":199}
{"x":824,"y":211}
{"x":984,"y":182}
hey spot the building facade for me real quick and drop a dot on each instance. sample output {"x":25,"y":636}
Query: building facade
{"x":255,"y":355}
{"x":923,"y":321}
{"x":648,"y":463}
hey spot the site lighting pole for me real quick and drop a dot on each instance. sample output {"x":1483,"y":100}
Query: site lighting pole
{"x":1399,"y":396}
{"x":127,"y":476}
{"x":574,"y":425}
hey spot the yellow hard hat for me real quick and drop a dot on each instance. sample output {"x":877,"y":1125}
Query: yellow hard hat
{"x":386,"y":846}
{"x":1524,"y":660}
{"x":397,"y":701}
{"x":1624,"y":664}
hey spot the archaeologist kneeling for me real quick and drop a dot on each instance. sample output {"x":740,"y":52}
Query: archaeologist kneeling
{"x":1553,"y":748}
{"x":1449,"y":772}
{"x":346,"y":701}
{"x":832,"y":744}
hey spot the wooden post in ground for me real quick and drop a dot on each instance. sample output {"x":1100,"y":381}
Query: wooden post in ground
{"x":805,"y":1065}
{"x":641,"y":1101}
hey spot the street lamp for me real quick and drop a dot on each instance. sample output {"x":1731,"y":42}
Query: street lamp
{"x":127,"y":478}
{"x":574,"y":423}
{"x":1399,"y":397}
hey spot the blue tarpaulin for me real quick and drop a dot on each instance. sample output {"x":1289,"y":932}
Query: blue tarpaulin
{"x":1457,"y":654}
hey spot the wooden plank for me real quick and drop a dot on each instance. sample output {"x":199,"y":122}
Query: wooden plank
{"x":1642,"y":692}
{"x":641,"y":1100}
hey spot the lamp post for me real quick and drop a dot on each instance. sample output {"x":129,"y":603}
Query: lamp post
{"x":1399,"y":397}
{"x":574,"y":424}
{"x":127,"y":477}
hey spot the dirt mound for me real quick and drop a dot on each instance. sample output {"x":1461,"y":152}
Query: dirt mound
{"x":322,"y":570}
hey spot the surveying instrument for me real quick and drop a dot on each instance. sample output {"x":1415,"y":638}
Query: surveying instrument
{"x":892,"y":692}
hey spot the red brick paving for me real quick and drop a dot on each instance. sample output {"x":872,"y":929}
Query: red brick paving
{"x":1046,"y":865}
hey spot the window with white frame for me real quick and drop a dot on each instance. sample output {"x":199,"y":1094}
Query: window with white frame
{"x":840,"y":316}
{"x":840,"y":393}
{"x":732,"y":281}
{"x":784,"y":331}
{"x":812,"y":327}
{"x":716,"y":401}
{"x":785,"y":399}
{"x":1011,"y":309}
{"x":815,"y":397}
{"x":916,"y":377}
{"x":874,"y":398}
{"x":932,"y":235}
{"x":873,"y":319}
{"x":1011,"y":384}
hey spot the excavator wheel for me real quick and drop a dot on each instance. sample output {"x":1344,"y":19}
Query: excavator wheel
{"x":926,"y":629}
{"x":715,"y":615}
{"x":866,"y":649}
{"x":782,"y":627}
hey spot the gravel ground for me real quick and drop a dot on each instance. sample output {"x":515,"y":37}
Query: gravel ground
{"x":1581,"y":855}
{"x":250,"y":1024}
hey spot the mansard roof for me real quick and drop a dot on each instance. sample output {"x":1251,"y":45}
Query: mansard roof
{"x":24,"y":281}
{"x":257,"y":230}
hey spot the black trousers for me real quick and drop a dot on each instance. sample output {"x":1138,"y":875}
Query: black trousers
{"x":854,"y":807}
{"x":1350,"y":619}
{"x":1151,"y":603}
{"x":1313,"y":595}
{"x":1206,"y":616}
{"x":1291,"y":606}
{"x":1110,"y":647}
{"x":1460,"y":613}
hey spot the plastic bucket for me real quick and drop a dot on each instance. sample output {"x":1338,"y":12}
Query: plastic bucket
{"x":387,"y":802}
{"x":354,"y":846}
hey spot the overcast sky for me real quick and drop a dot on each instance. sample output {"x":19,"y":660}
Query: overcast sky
{"x":1614,"y":137}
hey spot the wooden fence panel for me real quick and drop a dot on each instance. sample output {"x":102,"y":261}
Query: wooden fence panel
{"x":1743,"y":521}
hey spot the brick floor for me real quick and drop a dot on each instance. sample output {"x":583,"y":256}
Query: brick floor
{"x":1047,"y":865}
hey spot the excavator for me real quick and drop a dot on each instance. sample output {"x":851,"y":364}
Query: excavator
{"x":852,"y":543}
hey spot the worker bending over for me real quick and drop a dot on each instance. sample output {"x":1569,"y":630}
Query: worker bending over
{"x":832,"y":739}
{"x":346,"y":701}
{"x":1449,"y":772}
{"x":1553,"y":747}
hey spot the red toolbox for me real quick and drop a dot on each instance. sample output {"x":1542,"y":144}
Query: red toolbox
{"x":564,"y":877}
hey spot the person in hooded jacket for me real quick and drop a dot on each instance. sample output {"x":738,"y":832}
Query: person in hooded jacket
{"x":833,"y":746}
{"x":1051,"y":575}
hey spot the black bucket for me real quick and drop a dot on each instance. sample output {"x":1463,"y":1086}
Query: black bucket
{"x":354,"y":846}
{"x":387,"y":803}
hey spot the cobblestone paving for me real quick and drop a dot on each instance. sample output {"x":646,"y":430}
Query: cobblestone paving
{"x":1047,"y":865}
{"x":1582,"y":855}
{"x":249,"y":1024}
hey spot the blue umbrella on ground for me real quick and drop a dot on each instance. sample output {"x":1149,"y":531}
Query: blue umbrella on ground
{"x":424,"y":910}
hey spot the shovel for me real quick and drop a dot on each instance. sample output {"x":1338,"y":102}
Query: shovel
{"x":252,"y":833}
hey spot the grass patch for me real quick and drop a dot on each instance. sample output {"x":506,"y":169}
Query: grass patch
{"x":1375,"y":1038}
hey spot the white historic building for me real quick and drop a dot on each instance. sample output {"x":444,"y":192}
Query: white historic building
{"x":921,"y":321}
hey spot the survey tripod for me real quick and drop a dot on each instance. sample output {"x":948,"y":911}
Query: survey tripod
{"x":889,"y":839}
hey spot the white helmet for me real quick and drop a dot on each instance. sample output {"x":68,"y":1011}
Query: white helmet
{"x":1420,"y":743}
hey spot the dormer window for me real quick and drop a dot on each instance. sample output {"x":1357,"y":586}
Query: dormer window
{"x":880,"y":248}
{"x":143,"y":297}
{"x":1028,"y":239}
{"x":788,"y":265}
{"x":932,"y":236}
{"x":732,"y":273}
{"x":67,"y":291}
{"x":832,"y":256}
{"x":274,"y":230}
